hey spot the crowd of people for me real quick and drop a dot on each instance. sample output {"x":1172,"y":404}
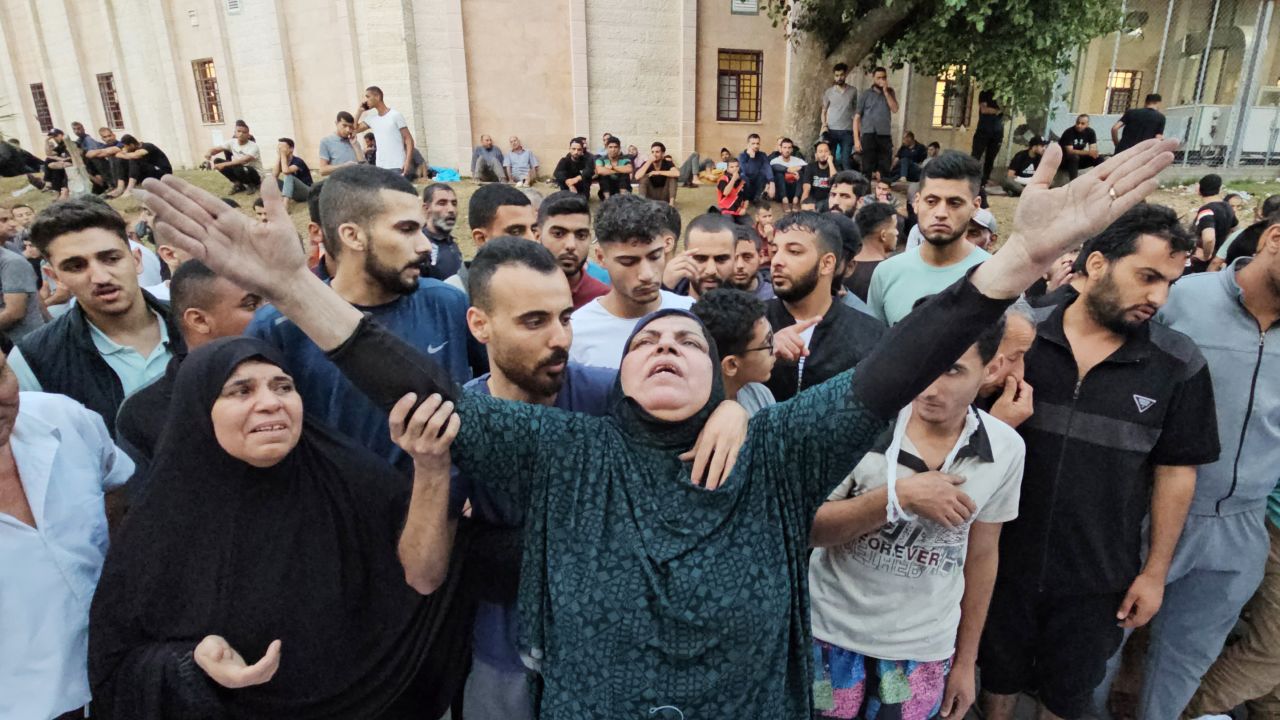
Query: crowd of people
{"x":816,"y":452}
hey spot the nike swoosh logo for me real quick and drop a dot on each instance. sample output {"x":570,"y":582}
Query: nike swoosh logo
{"x":433,"y":349}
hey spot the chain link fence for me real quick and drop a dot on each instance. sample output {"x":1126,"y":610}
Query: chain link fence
{"x":1215,"y":63}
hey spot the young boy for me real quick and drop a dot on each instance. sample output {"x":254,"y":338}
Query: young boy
{"x":731,"y":196}
{"x":762,"y":213}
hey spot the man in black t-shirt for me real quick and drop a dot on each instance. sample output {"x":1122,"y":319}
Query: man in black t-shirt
{"x":575,"y":170}
{"x":658,"y":175}
{"x":816,"y":178}
{"x":1079,"y":147}
{"x":1213,"y":223}
{"x":144,"y":159}
{"x":1022,"y":166}
{"x":1139,"y":124}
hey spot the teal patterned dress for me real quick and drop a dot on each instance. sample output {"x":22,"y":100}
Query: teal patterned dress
{"x":643,"y":595}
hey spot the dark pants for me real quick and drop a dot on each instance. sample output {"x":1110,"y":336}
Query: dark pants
{"x":985,"y":148}
{"x":842,"y":147}
{"x":877,"y":154}
{"x":242,"y":175}
{"x":784,"y":190}
{"x":583,"y":188}
{"x":1073,"y":164}
{"x":140,"y":170}
{"x":119,"y":170}
{"x":613,"y":184}
{"x":906,"y":169}
{"x":1054,"y":645}
{"x":754,"y":188}
{"x":56,"y":178}
{"x":99,"y":173}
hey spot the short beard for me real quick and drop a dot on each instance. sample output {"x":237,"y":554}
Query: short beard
{"x":531,"y":380}
{"x":801,"y":287}
{"x":443,"y":226}
{"x":390,"y":279}
{"x":1103,"y":306}
{"x":945,"y":240}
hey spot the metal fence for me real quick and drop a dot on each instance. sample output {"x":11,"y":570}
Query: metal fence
{"x":1216,"y":63}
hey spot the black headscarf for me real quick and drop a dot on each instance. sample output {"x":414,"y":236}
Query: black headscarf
{"x":642,"y":426}
{"x":303,"y":551}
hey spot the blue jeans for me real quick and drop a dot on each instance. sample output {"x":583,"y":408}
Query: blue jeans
{"x":842,"y":147}
{"x":294,"y":189}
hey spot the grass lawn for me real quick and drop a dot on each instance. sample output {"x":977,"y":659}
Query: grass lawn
{"x":690,"y":201}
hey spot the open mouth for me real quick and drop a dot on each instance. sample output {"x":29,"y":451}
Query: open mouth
{"x":665,"y":368}
{"x":269,"y":428}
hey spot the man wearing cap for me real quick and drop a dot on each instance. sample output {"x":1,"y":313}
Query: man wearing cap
{"x":983,"y":230}
{"x":1022,"y":167}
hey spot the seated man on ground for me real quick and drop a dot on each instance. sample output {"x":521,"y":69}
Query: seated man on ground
{"x":658,"y":175}
{"x":241,"y":161}
{"x":1079,"y":147}
{"x":1023,"y":166}
{"x":487,"y":161}
{"x":575,"y":170}
{"x":613,"y":169}
{"x":521,"y":165}
{"x":788,"y":172}
{"x":341,"y":148}
{"x":292,"y":174}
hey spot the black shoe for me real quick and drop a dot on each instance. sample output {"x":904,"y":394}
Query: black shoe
{"x":35,"y":181}
{"x":237,"y":189}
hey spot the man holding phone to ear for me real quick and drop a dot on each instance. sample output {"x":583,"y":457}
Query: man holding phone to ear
{"x":390,"y":131}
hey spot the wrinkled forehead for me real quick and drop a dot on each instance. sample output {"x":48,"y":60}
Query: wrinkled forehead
{"x":672,"y":325}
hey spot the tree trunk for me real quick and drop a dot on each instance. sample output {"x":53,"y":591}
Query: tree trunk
{"x":812,"y":61}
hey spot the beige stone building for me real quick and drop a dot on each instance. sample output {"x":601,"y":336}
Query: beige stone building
{"x":696,"y":74}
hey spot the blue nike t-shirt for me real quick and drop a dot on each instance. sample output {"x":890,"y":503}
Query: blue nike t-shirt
{"x":433,"y":319}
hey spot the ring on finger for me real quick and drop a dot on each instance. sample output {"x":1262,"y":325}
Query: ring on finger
{"x":1112,"y":193}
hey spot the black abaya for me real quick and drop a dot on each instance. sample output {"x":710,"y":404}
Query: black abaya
{"x":304,"y":551}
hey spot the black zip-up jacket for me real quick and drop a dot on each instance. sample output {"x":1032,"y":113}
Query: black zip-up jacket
{"x":1092,"y":448}
{"x":840,"y":341}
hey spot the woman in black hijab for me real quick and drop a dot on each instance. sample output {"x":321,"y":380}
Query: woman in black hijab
{"x":263,"y":534}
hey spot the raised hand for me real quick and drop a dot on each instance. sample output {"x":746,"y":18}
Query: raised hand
{"x":1052,"y":221}
{"x":681,"y":267}
{"x":258,"y":256}
{"x":224,"y":665}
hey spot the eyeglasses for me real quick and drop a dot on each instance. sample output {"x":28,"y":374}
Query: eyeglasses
{"x":767,"y":346}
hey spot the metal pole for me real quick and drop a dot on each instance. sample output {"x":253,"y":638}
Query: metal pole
{"x":1115,"y":53}
{"x":1248,"y":88}
{"x":1204,"y":68}
{"x":1164,"y":42}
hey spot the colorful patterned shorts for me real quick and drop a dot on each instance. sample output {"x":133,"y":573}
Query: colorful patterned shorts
{"x":849,"y":685}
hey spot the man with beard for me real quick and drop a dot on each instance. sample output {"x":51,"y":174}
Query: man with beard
{"x":575,"y":170}
{"x":631,"y":245}
{"x":946,"y":203}
{"x":707,"y":261}
{"x":520,"y":313}
{"x":847,"y":188}
{"x":372,"y":220}
{"x":441,"y":203}
{"x":564,"y":228}
{"x":1119,"y":426}
{"x":115,"y":338}
{"x":747,"y":273}
{"x":831,"y":336}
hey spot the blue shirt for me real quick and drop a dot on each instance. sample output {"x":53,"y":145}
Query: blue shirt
{"x":432,"y":319}
{"x":585,"y":390}
{"x":133,"y":369}
{"x":598,"y":273}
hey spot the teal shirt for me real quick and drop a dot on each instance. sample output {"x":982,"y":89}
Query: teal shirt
{"x":129,"y":365}
{"x":900,"y":281}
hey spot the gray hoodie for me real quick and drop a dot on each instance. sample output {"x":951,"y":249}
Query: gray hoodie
{"x":1244,"y":362}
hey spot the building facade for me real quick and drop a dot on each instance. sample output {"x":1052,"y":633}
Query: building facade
{"x":696,"y":74}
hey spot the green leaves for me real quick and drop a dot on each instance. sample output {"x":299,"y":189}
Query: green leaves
{"x":1015,"y":48}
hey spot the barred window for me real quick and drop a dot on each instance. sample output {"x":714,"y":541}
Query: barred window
{"x":207,"y":91}
{"x":951,"y":97}
{"x":1122,"y":90}
{"x":110,"y":101}
{"x":738,"y":85}
{"x":42,"y":107}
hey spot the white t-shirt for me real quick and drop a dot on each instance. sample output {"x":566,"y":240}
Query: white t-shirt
{"x":599,"y":336}
{"x":386,"y":132}
{"x":894,"y":594}
{"x":150,"y":274}
{"x":791,"y":165}
{"x":160,"y":291}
